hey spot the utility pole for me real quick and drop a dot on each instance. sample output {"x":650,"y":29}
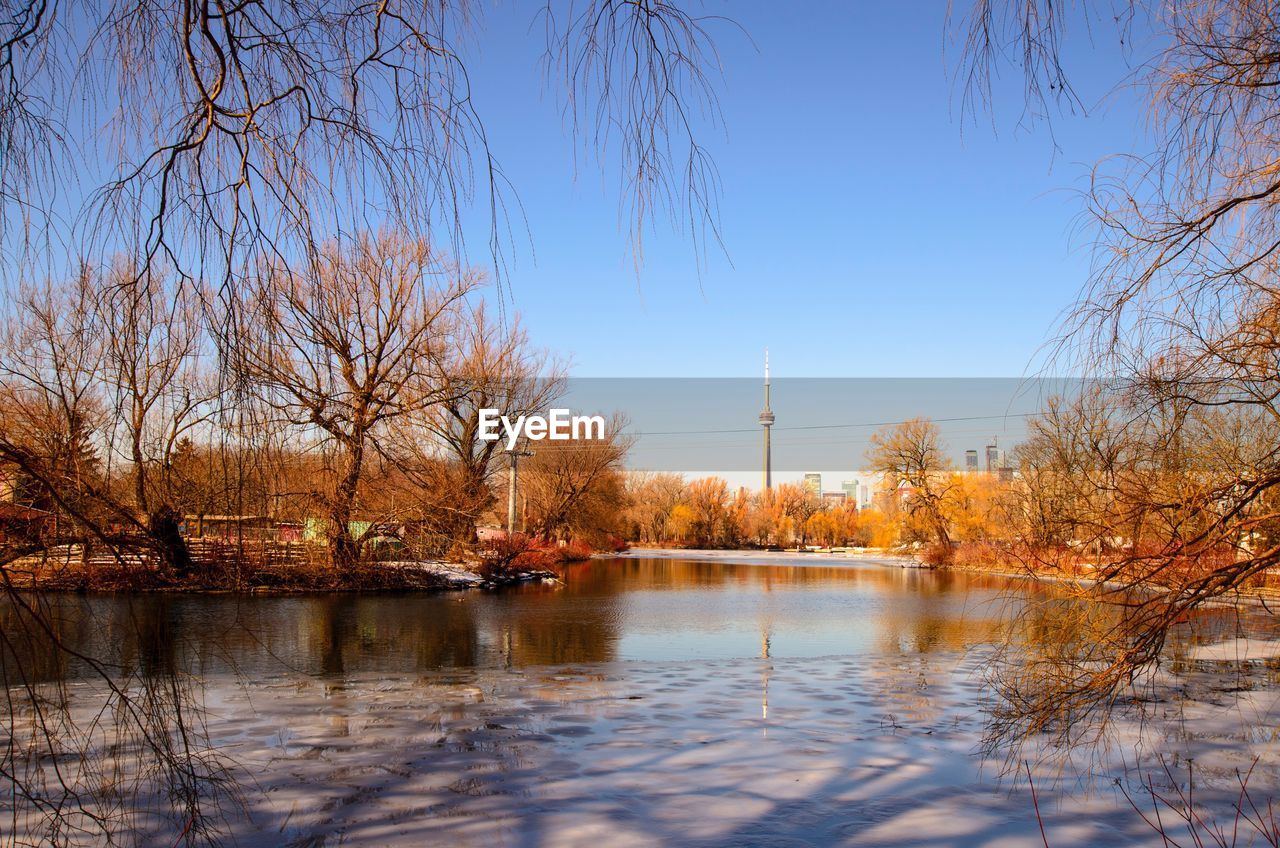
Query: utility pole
{"x":512,"y":488}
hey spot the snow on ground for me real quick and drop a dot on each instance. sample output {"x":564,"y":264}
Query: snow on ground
{"x":451,"y":572}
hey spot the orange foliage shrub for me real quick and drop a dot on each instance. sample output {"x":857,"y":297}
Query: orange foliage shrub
{"x":937,"y":554}
{"x":509,"y":556}
{"x":977,"y":555}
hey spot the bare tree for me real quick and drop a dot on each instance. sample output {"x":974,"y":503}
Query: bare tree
{"x":652,"y":496}
{"x":576,"y":486}
{"x":141,"y":741}
{"x":55,"y":409}
{"x":637,"y":79}
{"x":1180,"y":316}
{"x":357,"y":342}
{"x":155,"y":363}
{"x":709,"y":499}
{"x":1069,"y":465}
{"x":231,"y":144}
{"x":490,"y":366}
{"x":796,"y":503}
{"x":236,"y":133}
{"x":98,"y":372}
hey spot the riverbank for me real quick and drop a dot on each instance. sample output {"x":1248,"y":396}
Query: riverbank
{"x":65,"y":569}
{"x":1081,"y":574}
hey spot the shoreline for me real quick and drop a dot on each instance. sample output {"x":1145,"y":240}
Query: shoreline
{"x":427,"y":576}
{"x":438,"y":576}
{"x":748,"y":556}
{"x":752,"y":556}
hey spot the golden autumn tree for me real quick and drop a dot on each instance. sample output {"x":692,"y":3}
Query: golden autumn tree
{"x":911,"y":458}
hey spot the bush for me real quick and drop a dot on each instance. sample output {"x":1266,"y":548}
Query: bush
{"x":575,"y":551}
{"x":501,"y":557}
{"x":508,"y":556}
{"x":1040,"y":561}
{"x":937,"y":554}
{"x":978,"y":555}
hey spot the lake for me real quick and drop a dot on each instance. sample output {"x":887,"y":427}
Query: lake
{"x":652,"y":699}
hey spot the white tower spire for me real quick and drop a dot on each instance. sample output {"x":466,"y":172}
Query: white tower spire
{"x":766,"y":421}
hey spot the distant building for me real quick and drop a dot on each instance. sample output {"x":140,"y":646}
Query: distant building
{"x":993,"y":456}
{"x":861,"y":491}
{"x":813,"y":482}
{"x":971,"y":461}
{"x":834,"y":498}
{"x":490,"y":532}
{"x":1005,"y":473}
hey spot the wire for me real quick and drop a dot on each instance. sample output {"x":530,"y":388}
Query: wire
{"x":756,"y":429}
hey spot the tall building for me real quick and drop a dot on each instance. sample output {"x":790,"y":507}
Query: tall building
{"x":766,"y":421}
{"x":813,"y":482}
{"x":993,"y":456}
{"x":850,"y":489}
{"x":971,"y":461}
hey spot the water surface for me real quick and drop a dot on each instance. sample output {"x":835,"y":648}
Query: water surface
{"x":647,"y":700}
{"x":649,"y":609}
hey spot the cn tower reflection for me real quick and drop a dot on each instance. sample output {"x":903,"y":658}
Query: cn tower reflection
{"x":766,"y":637}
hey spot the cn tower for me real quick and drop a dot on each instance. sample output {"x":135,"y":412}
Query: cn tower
{"x":766,"y":421}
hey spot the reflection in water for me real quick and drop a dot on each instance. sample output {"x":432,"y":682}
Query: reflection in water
{"x":630,"y":609}
{"x":765,"y":667}
{"x":429,"y":713}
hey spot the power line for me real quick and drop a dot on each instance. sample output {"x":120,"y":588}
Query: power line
{"x":641,"y":433}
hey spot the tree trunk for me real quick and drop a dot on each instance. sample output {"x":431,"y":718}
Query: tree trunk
{"x":164,"y":527}
{"x":460,"y":525}
{"x":344,"y":549}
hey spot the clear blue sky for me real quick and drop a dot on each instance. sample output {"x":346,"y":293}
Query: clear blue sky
{"x":870,"y":230}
